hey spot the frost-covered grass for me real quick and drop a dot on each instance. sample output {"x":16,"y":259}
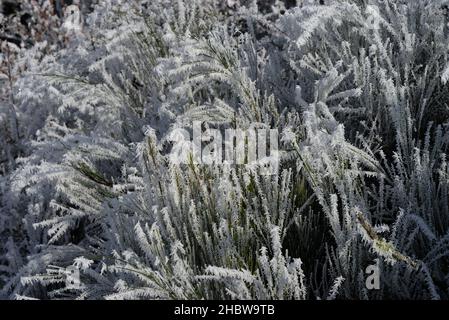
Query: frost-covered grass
{"x":356,"y":88}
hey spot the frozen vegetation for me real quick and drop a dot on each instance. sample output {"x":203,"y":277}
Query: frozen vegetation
{"x":92,"y":91}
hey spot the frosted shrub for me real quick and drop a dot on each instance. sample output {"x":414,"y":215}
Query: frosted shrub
{"x":357,"y":91}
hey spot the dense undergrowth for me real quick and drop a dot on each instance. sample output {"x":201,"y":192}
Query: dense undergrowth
{"x":357,"y":90}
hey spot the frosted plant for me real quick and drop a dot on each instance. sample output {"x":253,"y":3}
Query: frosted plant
{"x":393,"y":50}
{"x":356,"y":89}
